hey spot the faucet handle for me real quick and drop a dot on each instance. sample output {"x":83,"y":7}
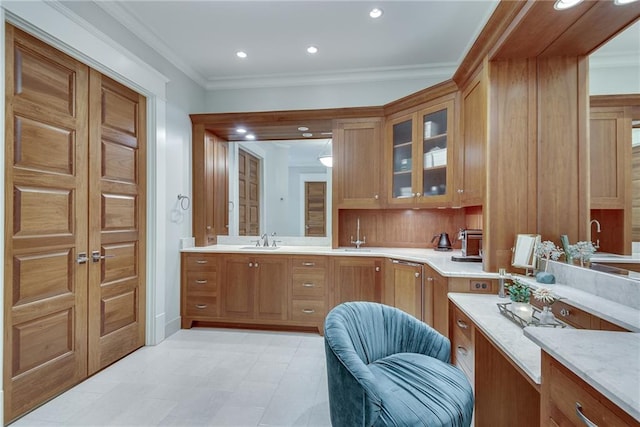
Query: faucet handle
{"x":274,"y":241}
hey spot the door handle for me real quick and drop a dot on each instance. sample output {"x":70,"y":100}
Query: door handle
{"x":82,"y":258}
{"x":96,"y":257}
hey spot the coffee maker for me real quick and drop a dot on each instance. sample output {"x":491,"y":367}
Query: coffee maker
{"x":471,"y":245}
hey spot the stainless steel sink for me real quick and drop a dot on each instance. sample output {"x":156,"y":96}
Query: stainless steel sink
{"x":356,"y":250}
{"x":261,"y":248}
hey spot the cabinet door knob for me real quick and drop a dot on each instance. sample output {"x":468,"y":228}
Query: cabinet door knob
{"x":417,"y":274}
{"x":250,"y":264}
{"x":255,"y":265}
{"x":429,"y":279}
{"x":460,"y":190}
{"x":376,"y":197}
{"x":208,"y":227}
{"x":462,"y":324}
{"x":377,"y":268}
{"x":582,"y":417}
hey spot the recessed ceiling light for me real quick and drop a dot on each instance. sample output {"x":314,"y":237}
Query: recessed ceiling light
{"x":250,"y":136}
{"x":307,"y":134}
{"x":241,"y":130}
{"x":303,"y":128}
{"x":241,"y":54}
{"x":375,"y":13}
{"x":312,"y":49}
{"x":565,"y":4}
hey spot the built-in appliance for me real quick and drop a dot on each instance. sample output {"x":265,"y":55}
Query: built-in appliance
{"x":471,"y":245}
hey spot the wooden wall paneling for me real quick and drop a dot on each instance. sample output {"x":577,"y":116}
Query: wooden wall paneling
{"x":635,"y":191}
{"x":563,"y":148}
{"x":413,"y":228}
{"x":511,"y":199}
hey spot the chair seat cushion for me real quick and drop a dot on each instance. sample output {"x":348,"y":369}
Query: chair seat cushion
{"x":418,"y":390}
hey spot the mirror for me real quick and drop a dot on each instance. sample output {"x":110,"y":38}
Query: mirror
{"x":615,"y":69}
{"x":524,"y":251}
{"x":284,"y":168}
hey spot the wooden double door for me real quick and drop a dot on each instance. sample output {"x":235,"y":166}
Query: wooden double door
{"x":74,"y":285}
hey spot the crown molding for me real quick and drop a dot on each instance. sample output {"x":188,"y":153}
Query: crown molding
{"x":120,"y":13}
{"x":438,"y":71}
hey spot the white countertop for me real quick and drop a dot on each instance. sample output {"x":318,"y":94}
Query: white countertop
{"x":439,"y":261}
{"x":616,"y":313}
{"x":503,"y":333}
{"x":608,"y":361}
{"x":615,"y":258}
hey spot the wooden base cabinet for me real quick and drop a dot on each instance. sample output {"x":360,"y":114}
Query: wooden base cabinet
{"x":357,"y":279}
{"x":200,"y":287}
{"x":309,"y":282}
{"x":406,"y":289}
{"x":567,"y":400}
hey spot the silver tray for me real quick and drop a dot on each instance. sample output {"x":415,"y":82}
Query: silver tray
{"x":504,"y":308}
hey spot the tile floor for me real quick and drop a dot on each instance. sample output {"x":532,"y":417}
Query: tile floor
{"x":202,"y":377}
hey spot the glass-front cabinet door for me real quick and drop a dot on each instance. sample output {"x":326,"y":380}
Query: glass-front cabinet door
{"x":420,"y":153}
{"x":403,"y":137}
{"x":434,"y":150}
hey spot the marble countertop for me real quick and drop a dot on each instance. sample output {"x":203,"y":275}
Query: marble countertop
{"x":614,"y":312}
{"x":503,"y":333}
{"x":608,"y":361}
{"x":615,"y":258}
{"x":439,"y":261}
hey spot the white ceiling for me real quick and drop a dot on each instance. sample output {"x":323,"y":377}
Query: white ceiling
{"x":201,"y":37}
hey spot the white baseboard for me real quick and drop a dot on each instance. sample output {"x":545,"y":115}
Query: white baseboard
{"x":172,"y":327}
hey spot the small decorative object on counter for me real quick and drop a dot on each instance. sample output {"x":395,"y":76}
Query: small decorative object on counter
{"x":547,"y":250}
{"x":501,"y":280}
{"x":547,"y":297}
{"x":520,"y":293}
{"x":582,"y":251}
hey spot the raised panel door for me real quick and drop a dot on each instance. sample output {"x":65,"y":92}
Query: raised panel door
{"x":117,"y":212}
{"x":46,"y":185}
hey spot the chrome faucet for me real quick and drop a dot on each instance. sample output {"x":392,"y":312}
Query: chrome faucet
{"x":358,"y":242}
{"x":265,"y":240}
{"x":598,"y":229}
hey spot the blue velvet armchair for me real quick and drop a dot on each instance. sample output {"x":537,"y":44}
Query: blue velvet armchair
{"x":387,"y":368}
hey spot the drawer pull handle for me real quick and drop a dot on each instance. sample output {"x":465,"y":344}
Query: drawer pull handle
{"x":201,"y":306}
{"x":461,"y":324}
{"x":201,"y":261}
{"x":582,"y":417}
{"x":308,"y":285}
{"x":308,"y":264}
{"x":564,"y":312}
{"x":308,"y":311}
{"x":201,"y":281}
{"x":463,"y":351}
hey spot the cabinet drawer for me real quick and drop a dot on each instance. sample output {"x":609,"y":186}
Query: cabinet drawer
{"x":201,"y":262}
{"x":462,"y":350}
{"x":461,"y":324}
{"x":571,"y":315}
{"x":309,"y":283}
{"x":308,"y":310}
{"x":309,"y":262}
{"x":201,"y":306}
{"x":566,"y":392}
{"x":202,"y":282}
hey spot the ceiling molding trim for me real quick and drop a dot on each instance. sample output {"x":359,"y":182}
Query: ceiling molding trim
{"x":438,"y":71}
{"x":120,"y":13}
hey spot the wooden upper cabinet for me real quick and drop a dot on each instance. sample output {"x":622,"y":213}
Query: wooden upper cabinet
{"x":210,"y":186}
{"x":610,"y":153}
{"x":357,"y":161}
{"x":420,"y":151}
{"x":470,"y":163}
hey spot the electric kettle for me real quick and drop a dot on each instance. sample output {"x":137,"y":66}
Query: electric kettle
{"x":444,"y":244}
